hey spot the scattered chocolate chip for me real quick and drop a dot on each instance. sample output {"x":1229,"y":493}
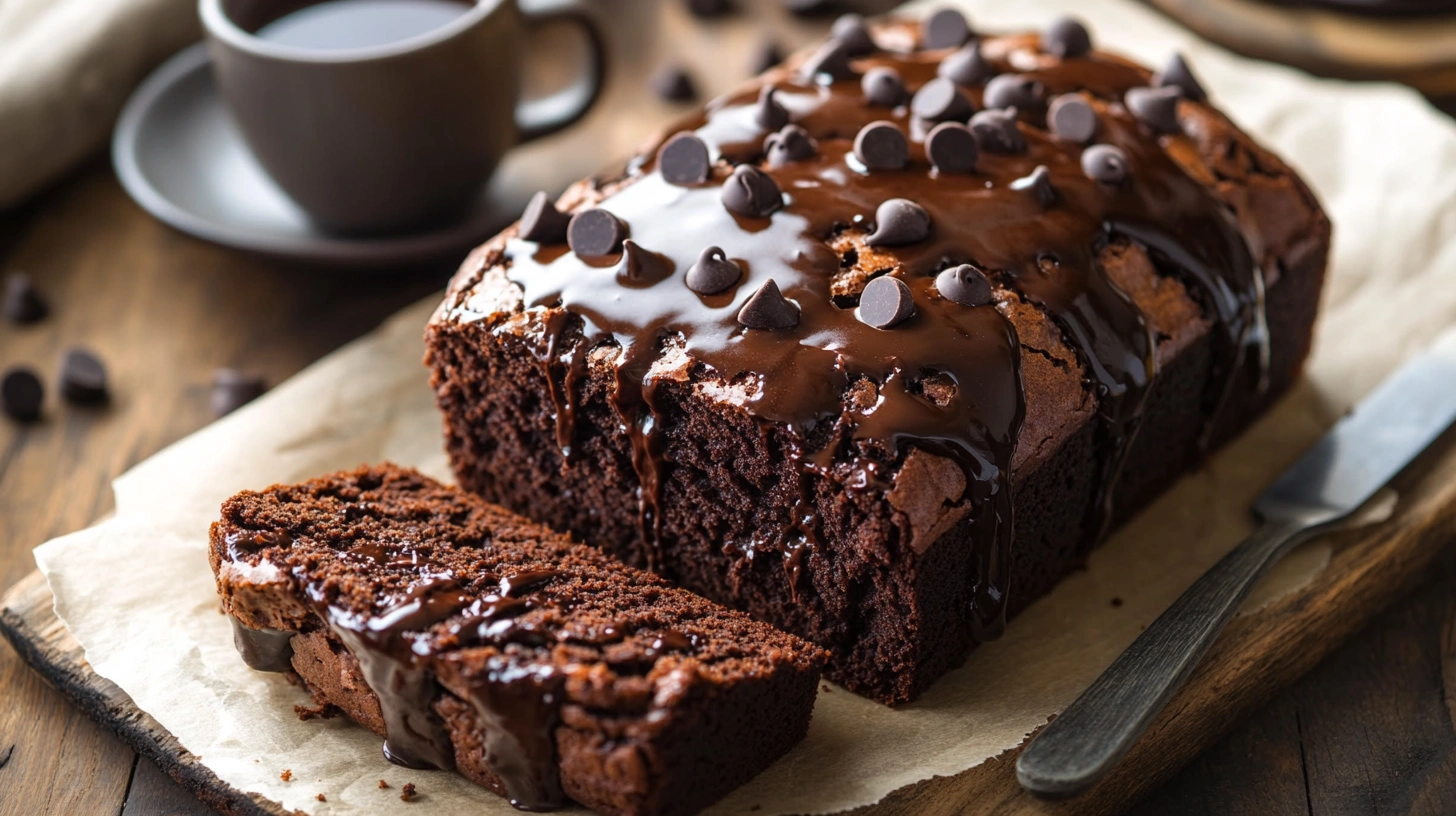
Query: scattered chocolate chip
{"x":1038,"y":185}
{"x":939,"y":100}
{"x":641,"y":266}
{"x":1156,"y":107}
{"x":23,"y":304}
{"x":882,"y":86}
{"x":594,"y":233}
{"x":542,"y":222}
{"x":1104,"y":163}
{"x":683,"y":160}
{"x":1177,"y":74}
{"x":997,"y":132}
{"x":752,"y":192}
{"x":946,"y":28}
{"x":881,"y":146}
{"x":672,"y":83}
{"x":899,"y":221}
{"x":1067,"y":38}
{"x":1071,"y":118}
{"x":22,"y":394}
{"x":790,"y":144}
{"x":83,"y":377}
{"x":713,"y":273}
{"x":769,"y":309}
{"x":766,"y":55}
{"x":770,"y":114}
{"x":851,"y":31}
{"x":952,"y":148}
{"x":966,"y":66}
{"x":232,"y":389}
{"x":965,"y":285}
{"x":1013,"y":91}
{"x":885,"y":301}
{"x":831,"y":61}
{"x":709,"y":8}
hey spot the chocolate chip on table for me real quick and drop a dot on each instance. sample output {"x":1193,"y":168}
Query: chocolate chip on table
{"x":1177,"y":74}
{"x":939,"y":100}
{"x":640,"y":265}
{"x":1039,"y":185}
{"x":881,"y":146}
{"x":766,"y":55}
{"x":997,"y":132}
{"x":83,"y":377}
{"x":1013,"y":91}
{"x":952,"y":148}
{"x":831,"y":61}
{"x":23,"y":304}
{"x":946,"y":28}
{"x":22,"y":394}
{"x":965,"y":285}
{"x":672,"y":83}
{"x":713,"y":273}
{"x":542,"y":222}
{"x":851,"y":31}
{"x":594,"y":233}
{"x":1071,"y":118}
{"x":966,"y":65}
{"x":885,"y":301}
{"x":1067,"y":38}
{"x":1105,"y":164}
{"x":684,"y":160}
{"x":709,"y":8}
{"x":232,"y":389}
{"x":1156,"y":107}
{"x":790,"y":144}
{"x":752,"y":192}
{"x":769,"y":309}
{"x":770,"y":114}
{"x":899,"y":221}
{"x":883,"y":86}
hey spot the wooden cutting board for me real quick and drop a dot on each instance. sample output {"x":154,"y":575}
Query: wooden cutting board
{"x":1262,"y":651}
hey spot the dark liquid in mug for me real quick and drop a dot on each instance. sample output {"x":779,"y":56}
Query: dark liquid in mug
{"x":338,"y":25}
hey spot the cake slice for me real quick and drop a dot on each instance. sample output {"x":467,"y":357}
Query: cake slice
{"x":469,"y":637}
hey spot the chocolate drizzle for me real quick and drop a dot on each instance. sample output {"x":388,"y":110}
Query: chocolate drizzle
{"x":268,"y":650}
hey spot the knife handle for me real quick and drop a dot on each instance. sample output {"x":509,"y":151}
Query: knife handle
{"x":1081,"y":745}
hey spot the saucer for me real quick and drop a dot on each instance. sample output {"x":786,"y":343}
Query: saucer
{"x":179,"y":155}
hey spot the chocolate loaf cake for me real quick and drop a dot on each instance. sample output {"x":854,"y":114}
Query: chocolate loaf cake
{"x":878,"y":347}
{"x":469,"y":637}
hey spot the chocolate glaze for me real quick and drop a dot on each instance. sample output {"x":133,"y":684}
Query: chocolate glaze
{"x":267,"y":650}
{"x":1047,"y":256}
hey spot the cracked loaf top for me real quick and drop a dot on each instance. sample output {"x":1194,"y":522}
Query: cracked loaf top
{"x":916,"y":238}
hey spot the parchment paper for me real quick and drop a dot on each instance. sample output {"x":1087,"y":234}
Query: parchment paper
{"x":137,"y":593}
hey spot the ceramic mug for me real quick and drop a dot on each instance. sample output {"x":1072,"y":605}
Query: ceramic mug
{"x":396,"y":136}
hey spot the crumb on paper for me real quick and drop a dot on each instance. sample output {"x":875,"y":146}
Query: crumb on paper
{"x":287,"y":775}
{"x":383,"y":784}
{"x":409,"y":792}
{"x":322,"y":798}
{"x":320,"y":710}
{"x":1116,"y":601}
{"x":826,"y":689}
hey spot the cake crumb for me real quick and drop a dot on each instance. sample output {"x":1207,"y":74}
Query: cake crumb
{"x":826,"y":689}
{"x":287,"y":775}
{"x":1116,"y":601}
{"x":409,"y":792}
{"x":383,"y":784}
{"x":322,"y":798}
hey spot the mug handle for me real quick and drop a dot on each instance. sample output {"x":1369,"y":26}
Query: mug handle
{"x":538,"y":117}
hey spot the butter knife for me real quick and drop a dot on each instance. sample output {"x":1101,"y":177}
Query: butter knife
{"x":1363,"y":451}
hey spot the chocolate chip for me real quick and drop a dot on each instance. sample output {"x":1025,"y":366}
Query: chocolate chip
{"x":23,"y":304}
{"x":769,"y":309}
{"x":1177,"y":74}
{"x":1013,"y":91}
{"x":713,"y":273}
{"x":788,"y":145}
{"x":939,"y":100}
{"x":1104,"y":163}
{"x":881,"y":146}
{"x":1156,"y":107}
{"x":997,"y":132}
{"x":683,"y":160}
{"x":672,"y":83}
{"x":709,"y":8}
{"x":752,"y":192}
{"x":946,"y":28}
{"x":595,"y":233}
{"x":882,"y":86}
{"x":1071,"y":118}
{"x":641,"y":266}
{"x":831,"y":61}
{"x":965,"y":285}
{"x":1038,"y":185}
{"x":769,"y":114}
{"x":966,"y":66}
{"x":1067,"y":38}
{"x":766,"y":55}
{"x":885,"y":301}
{"x":232,"y":389}
{"x":952,"y":148}
{"x":542,"y":222}
{"x":851,"y":31}
{"x":21,"y":394}
{"x":83,"y":377}
{"x":899,"y":221}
